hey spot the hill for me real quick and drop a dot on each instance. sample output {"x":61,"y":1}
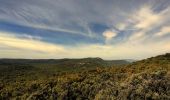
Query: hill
{"x":66,"y":62}
{"x":146,"y":79}
{"x":10,"y":67}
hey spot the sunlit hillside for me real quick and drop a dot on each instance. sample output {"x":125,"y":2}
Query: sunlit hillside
{"x":147,"y":79}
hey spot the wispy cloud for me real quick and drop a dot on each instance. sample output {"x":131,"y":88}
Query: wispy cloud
{"x":28,"y":44}
{"x":27,"y":48}
{"x":125,"y":28}
{"x":145,"y":18}
{"x":69,"y":16}
{"x":146,"y":21}
{"x":164,"y":31}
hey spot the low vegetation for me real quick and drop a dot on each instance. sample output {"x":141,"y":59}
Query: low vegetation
{"x":148,"y":79}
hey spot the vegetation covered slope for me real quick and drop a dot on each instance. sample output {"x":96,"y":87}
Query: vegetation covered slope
{"x":88,"y":62}
{"x":56,"y":65}
{"x":147,"y":79}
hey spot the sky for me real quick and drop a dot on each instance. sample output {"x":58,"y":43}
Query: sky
{"x":110,"y":29}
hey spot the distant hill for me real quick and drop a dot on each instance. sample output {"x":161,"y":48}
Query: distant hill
{"x":11,"y":67}
{"x":66,"y":62}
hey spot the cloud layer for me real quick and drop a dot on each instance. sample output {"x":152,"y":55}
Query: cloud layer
{"x":73,"y":28}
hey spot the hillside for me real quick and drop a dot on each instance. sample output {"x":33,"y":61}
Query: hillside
{"x":146,"y":79}
{"x":11,"y":67}
{"x":66,"y":62}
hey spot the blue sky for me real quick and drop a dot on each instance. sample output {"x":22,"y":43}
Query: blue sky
{"x":110,"y":29}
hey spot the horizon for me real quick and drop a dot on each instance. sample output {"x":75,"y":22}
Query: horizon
{"x":78,"y":58}
{"x":61,"y":58}
{"x":75,"y":29}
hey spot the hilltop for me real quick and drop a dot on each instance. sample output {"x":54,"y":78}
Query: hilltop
{"x":146,"y":79}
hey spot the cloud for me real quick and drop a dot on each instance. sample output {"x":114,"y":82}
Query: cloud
{"x":146,"y":18}
{"x":57,"y":29}
{"x":146,"y":21}
{"x":69,"y":16}
{"x":130,"y":24}
{"x":164,"y":31}
{"x":140,"y":23}
{"x":121,"y":26}
{"x":12,"y":46}
{"x":28,"y":44}
{"x":137,"y":36}
{"x":30,"y":37}
{"x":109,"y":34}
